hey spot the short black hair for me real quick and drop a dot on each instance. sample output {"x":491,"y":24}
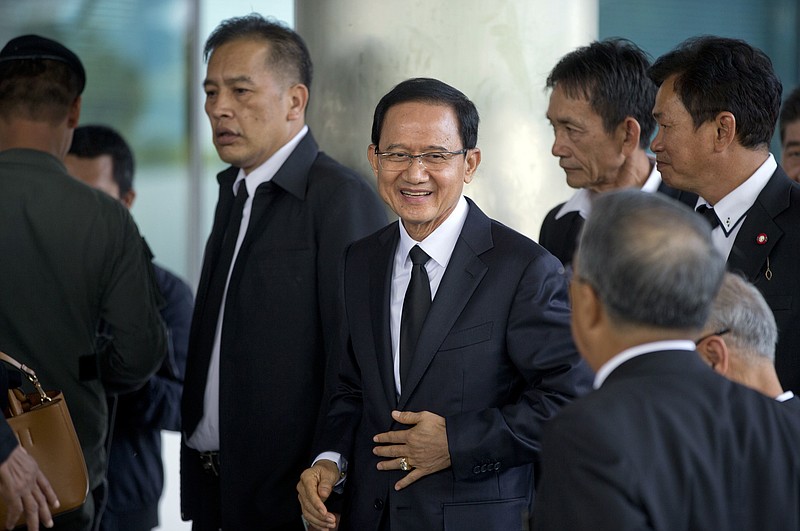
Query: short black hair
{"x":288,"y":51}
{"x":90,"y":141}
{"x":612,"y":76}
{"x":37,"y":89}
{"x":433,"y":91}
{"x":790,"y":112}
{"x":716,"y":74}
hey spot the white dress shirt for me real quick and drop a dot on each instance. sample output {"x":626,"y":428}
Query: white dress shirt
{"x":206,"y":436}
{"x":732,"y":209}
{"x":439,"y":246}
{"x":645,"y":348}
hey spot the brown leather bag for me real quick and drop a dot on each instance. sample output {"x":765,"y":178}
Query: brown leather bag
{"x":44,"y":428}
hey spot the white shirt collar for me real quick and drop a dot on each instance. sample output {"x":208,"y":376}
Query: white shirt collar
{"x":267,"y":171}
{"x":732,"y":208}
{"x":440,"y":243}
{"x":581,"y":200}
{"x":783,"y":397}
{"x":646,"y":348}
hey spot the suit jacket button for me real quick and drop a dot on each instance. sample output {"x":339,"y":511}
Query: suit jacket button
{"x":483,"y":468}
{"x":378,"y":504}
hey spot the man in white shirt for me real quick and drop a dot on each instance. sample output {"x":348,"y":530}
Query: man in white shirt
{"x":268,"y":310}
{"x":601,"y":112}
{"x":664,"y":442}
{"x":738,"y":340}
{"x":716,"y":106}
{"x":437,"y":426}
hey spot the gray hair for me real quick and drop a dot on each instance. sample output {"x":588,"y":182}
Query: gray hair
{"x":650,"y":259}
{"x":740,"y":308}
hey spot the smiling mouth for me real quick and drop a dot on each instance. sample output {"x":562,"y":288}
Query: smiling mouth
{"x":414,"y":194}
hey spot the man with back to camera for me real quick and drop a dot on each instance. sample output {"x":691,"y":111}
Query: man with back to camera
{"x":601,"y":112}
{"x":268,"y":316}
{"x":74,"y":257}
{"x":458,"y":342}
{"x":739,"y":337}
{"x":101,"y":158}
{"x":790,"y":134}
{"x":716,"y":108}
{"x":664,"y":442}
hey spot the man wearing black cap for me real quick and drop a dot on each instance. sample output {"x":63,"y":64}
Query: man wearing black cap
{"x":71,"y":256}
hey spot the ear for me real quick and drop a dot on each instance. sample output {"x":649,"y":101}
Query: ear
{"x":587,"y":310}
{"x":715,"y":352}
{"x":298,"y":99}
{"x":472,"y":161}
{"x":128,"y":198}
{"x":373,"y":158}
{"x":725,"y":130}
{"x":631,"y":132}
{"x":74,"y":114}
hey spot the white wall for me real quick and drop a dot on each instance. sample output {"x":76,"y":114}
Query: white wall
{"x":498,"y":53}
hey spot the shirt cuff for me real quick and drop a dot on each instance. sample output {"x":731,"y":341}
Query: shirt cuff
{"x":341,"y":463}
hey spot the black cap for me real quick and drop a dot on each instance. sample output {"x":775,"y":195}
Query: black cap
{"x":36,"y":47}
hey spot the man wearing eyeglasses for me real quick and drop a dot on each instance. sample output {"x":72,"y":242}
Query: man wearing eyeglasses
{"x":459,"y":346}
{"x":739,"y":339}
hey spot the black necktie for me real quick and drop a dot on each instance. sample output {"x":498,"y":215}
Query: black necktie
{"x":415,"y":307}
{"x":708,"y":213}
{"x":197,"y":365}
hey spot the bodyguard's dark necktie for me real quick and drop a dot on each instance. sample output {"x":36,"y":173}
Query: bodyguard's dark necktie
{"x":708,"y":213}
{"x":197,"y":366}
{"x":415,"y":308}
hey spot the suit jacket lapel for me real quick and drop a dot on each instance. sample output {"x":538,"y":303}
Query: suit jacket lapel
{"x":380,"y":284}
{"x":747,"y":254}
{"x":221,"y":215}
{"x":463,"y":275}
{"x":291,"y":178}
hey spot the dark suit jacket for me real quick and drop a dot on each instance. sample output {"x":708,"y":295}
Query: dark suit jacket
{"x":560,"y":236}
{"x":495,"y":358}
{"x":668,"y":444}
{"x":776,"y":214}
{"x":281,"y":325}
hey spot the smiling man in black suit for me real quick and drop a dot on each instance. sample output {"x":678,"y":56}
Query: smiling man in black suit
{"x":439,"y":429}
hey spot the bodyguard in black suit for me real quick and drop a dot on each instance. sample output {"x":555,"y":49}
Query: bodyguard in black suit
{"x":267,"y":316}
{"x":439,"y":429}
{"x":601,"y":112}
{"x":717,"y":106}
{"x":664,"y":443}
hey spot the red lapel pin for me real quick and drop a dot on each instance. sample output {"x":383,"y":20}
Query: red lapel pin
{"x":761,"y":239}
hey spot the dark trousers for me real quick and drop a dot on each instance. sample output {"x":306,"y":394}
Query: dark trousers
{"x":201,"y":500}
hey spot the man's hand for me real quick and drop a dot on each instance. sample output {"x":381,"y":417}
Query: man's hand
{"x":24,"y":487}
{"x":316,"y":484}
{"x":424,"y":446}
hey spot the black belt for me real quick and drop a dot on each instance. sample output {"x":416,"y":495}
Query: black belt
{"x":210,"y":462}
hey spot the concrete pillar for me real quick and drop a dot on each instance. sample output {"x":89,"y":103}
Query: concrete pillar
{"x":497,"y":52}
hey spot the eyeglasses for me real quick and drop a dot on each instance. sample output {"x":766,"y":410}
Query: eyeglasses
{"x":719,"y":333}
{"x":435,"y":160}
